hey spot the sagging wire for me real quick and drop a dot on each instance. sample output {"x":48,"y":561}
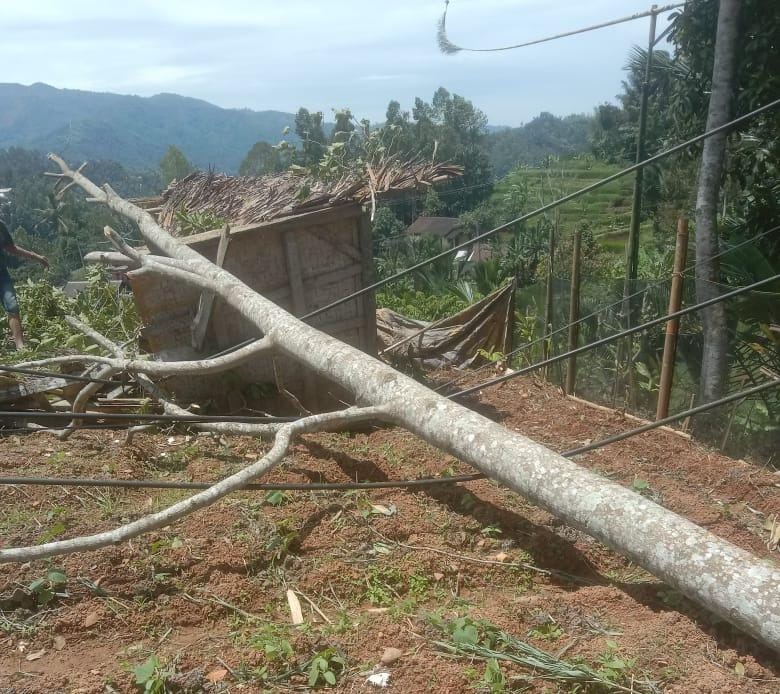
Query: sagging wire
{"x":446,"y":46}
{"x":619,"y":302}
{"x":387,"y":484}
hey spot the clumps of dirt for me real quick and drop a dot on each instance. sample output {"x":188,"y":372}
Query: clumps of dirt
{"x":207,"y":596}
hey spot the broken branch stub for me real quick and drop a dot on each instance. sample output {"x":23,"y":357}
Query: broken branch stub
{"x":733,"y":583}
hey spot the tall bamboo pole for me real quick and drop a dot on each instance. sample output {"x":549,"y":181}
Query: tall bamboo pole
{"x":673,"y":326}
{"x":632,"y":264}
{"x":574,"y":312}
{"x":548,"y":302}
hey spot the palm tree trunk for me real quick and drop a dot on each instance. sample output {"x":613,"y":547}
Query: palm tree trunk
{"x":714,"y":358}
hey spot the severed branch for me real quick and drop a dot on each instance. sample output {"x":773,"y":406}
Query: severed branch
{"x":80,"y":403}
{"x":284,"y":438}
{"x":165,"y":368}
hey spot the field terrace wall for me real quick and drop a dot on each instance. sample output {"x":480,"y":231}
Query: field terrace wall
{"x":300,"y":262}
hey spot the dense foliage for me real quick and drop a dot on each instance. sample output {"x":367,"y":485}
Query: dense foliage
{"x":63,"y":230}
{"x":44,"y":308}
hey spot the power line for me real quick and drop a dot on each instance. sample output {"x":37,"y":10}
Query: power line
{"x":446,"y":46}
{"x":612,"y":338}
{"x":619,"y":302}
{"x":541,"y":210}
{"x":272,"y":486}
{"x":545,"y":208}
{"x":99,"y":416}
{"x":424,"y":482}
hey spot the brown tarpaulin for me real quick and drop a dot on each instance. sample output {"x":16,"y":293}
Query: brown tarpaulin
{"x":455,"y":341}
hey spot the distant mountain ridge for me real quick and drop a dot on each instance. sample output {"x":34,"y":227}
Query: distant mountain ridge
{"x":133,"y":130}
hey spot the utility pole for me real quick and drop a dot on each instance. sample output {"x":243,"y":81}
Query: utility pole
{"x":632,"y":263}
{"x":632,"y":251}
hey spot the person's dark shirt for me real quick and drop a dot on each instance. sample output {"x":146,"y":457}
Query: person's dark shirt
{"x":5,"y":241}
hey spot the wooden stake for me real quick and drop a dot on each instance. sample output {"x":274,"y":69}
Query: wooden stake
{"x":673,"y":326}
{"x":548,"y":304}
{"x":574,"y":312}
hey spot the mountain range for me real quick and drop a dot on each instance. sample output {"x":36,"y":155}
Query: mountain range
{"x":136,"y":131}
{"x":133,"y":130}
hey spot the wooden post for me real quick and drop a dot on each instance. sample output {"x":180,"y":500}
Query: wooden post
{"x":200,"y":323}
{"x":574,"y":312}
{"x":548,"y":305}
{"x":672,"y":326}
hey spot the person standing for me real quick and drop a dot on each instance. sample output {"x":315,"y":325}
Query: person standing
{"x":7,"y":291}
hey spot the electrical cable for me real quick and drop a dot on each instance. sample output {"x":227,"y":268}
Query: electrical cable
{"x":98,"y":416}
{"x":332,"y":486}
{"x":529,"y":215}
{"x":448,"y":47}
{"x":620,"y":301}
{"x":556,"y":203}
{"x":612,"y":338}
{"x":94,"y":416}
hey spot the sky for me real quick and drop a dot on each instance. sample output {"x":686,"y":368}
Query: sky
{"x":324,"y":55}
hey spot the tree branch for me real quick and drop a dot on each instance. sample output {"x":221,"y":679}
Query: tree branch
{"x":164,"y":368}
{"x":284,"y":437}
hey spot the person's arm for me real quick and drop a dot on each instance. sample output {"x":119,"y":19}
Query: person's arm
{"x":24,"y":253}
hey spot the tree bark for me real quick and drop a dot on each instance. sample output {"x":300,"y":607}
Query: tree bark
{"x":714,"y":328}
{"x":731,"y":582}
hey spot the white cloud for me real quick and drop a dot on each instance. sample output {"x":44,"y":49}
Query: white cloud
{"x":267,"y":54}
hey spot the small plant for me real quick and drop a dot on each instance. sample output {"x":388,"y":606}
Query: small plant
{"x":283,"y":539}
{"x":612,"y":666}
{"x":419,"y":585}
{"x":151,"y":676}
{"x":325,"y":667}
{"x":48,"y":587}
{"x":59,"y":515}
{"x":493,"y":680}
{"x":495,"y":357}
{"x":383,"y":584}
{"x":272,"y":642}
{"x":276,"y":497}
{"x":491,"y":531}
{"x":548,"y":631}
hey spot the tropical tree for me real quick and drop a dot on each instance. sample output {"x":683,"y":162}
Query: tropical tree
{"x":309,"y":127}
{"x":263,"y":159}
{"x":174,"y":165}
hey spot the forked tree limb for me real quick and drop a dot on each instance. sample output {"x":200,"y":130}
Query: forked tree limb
{"x":165,"y":368}
{"x":284,"y":437}
{"x":733,"y":583}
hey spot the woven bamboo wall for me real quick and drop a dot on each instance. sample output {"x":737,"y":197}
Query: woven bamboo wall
{"x":301,"y":263}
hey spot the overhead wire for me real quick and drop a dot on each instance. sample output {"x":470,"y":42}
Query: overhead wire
{"x":619,"y":302}
{"x":95,"y":416}
{"x":448,"y":47}
{"x":385,"y":484}
{"x":529,"y":215}
{"x":613,"y":338}
{"x":99,"y":416}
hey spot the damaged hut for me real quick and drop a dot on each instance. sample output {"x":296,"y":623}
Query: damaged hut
{"x":299,"y":242}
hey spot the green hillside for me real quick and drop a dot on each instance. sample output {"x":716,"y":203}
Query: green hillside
{"x":607,"y":210}
{"x":132,"y":130}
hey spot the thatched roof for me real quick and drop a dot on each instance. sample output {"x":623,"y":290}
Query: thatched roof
{"x":242,"y":200}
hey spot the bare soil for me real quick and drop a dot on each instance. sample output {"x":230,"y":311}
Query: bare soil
{"x":208,"y":595}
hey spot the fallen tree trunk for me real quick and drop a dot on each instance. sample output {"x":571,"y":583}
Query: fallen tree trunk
{"x":731,"y":582}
